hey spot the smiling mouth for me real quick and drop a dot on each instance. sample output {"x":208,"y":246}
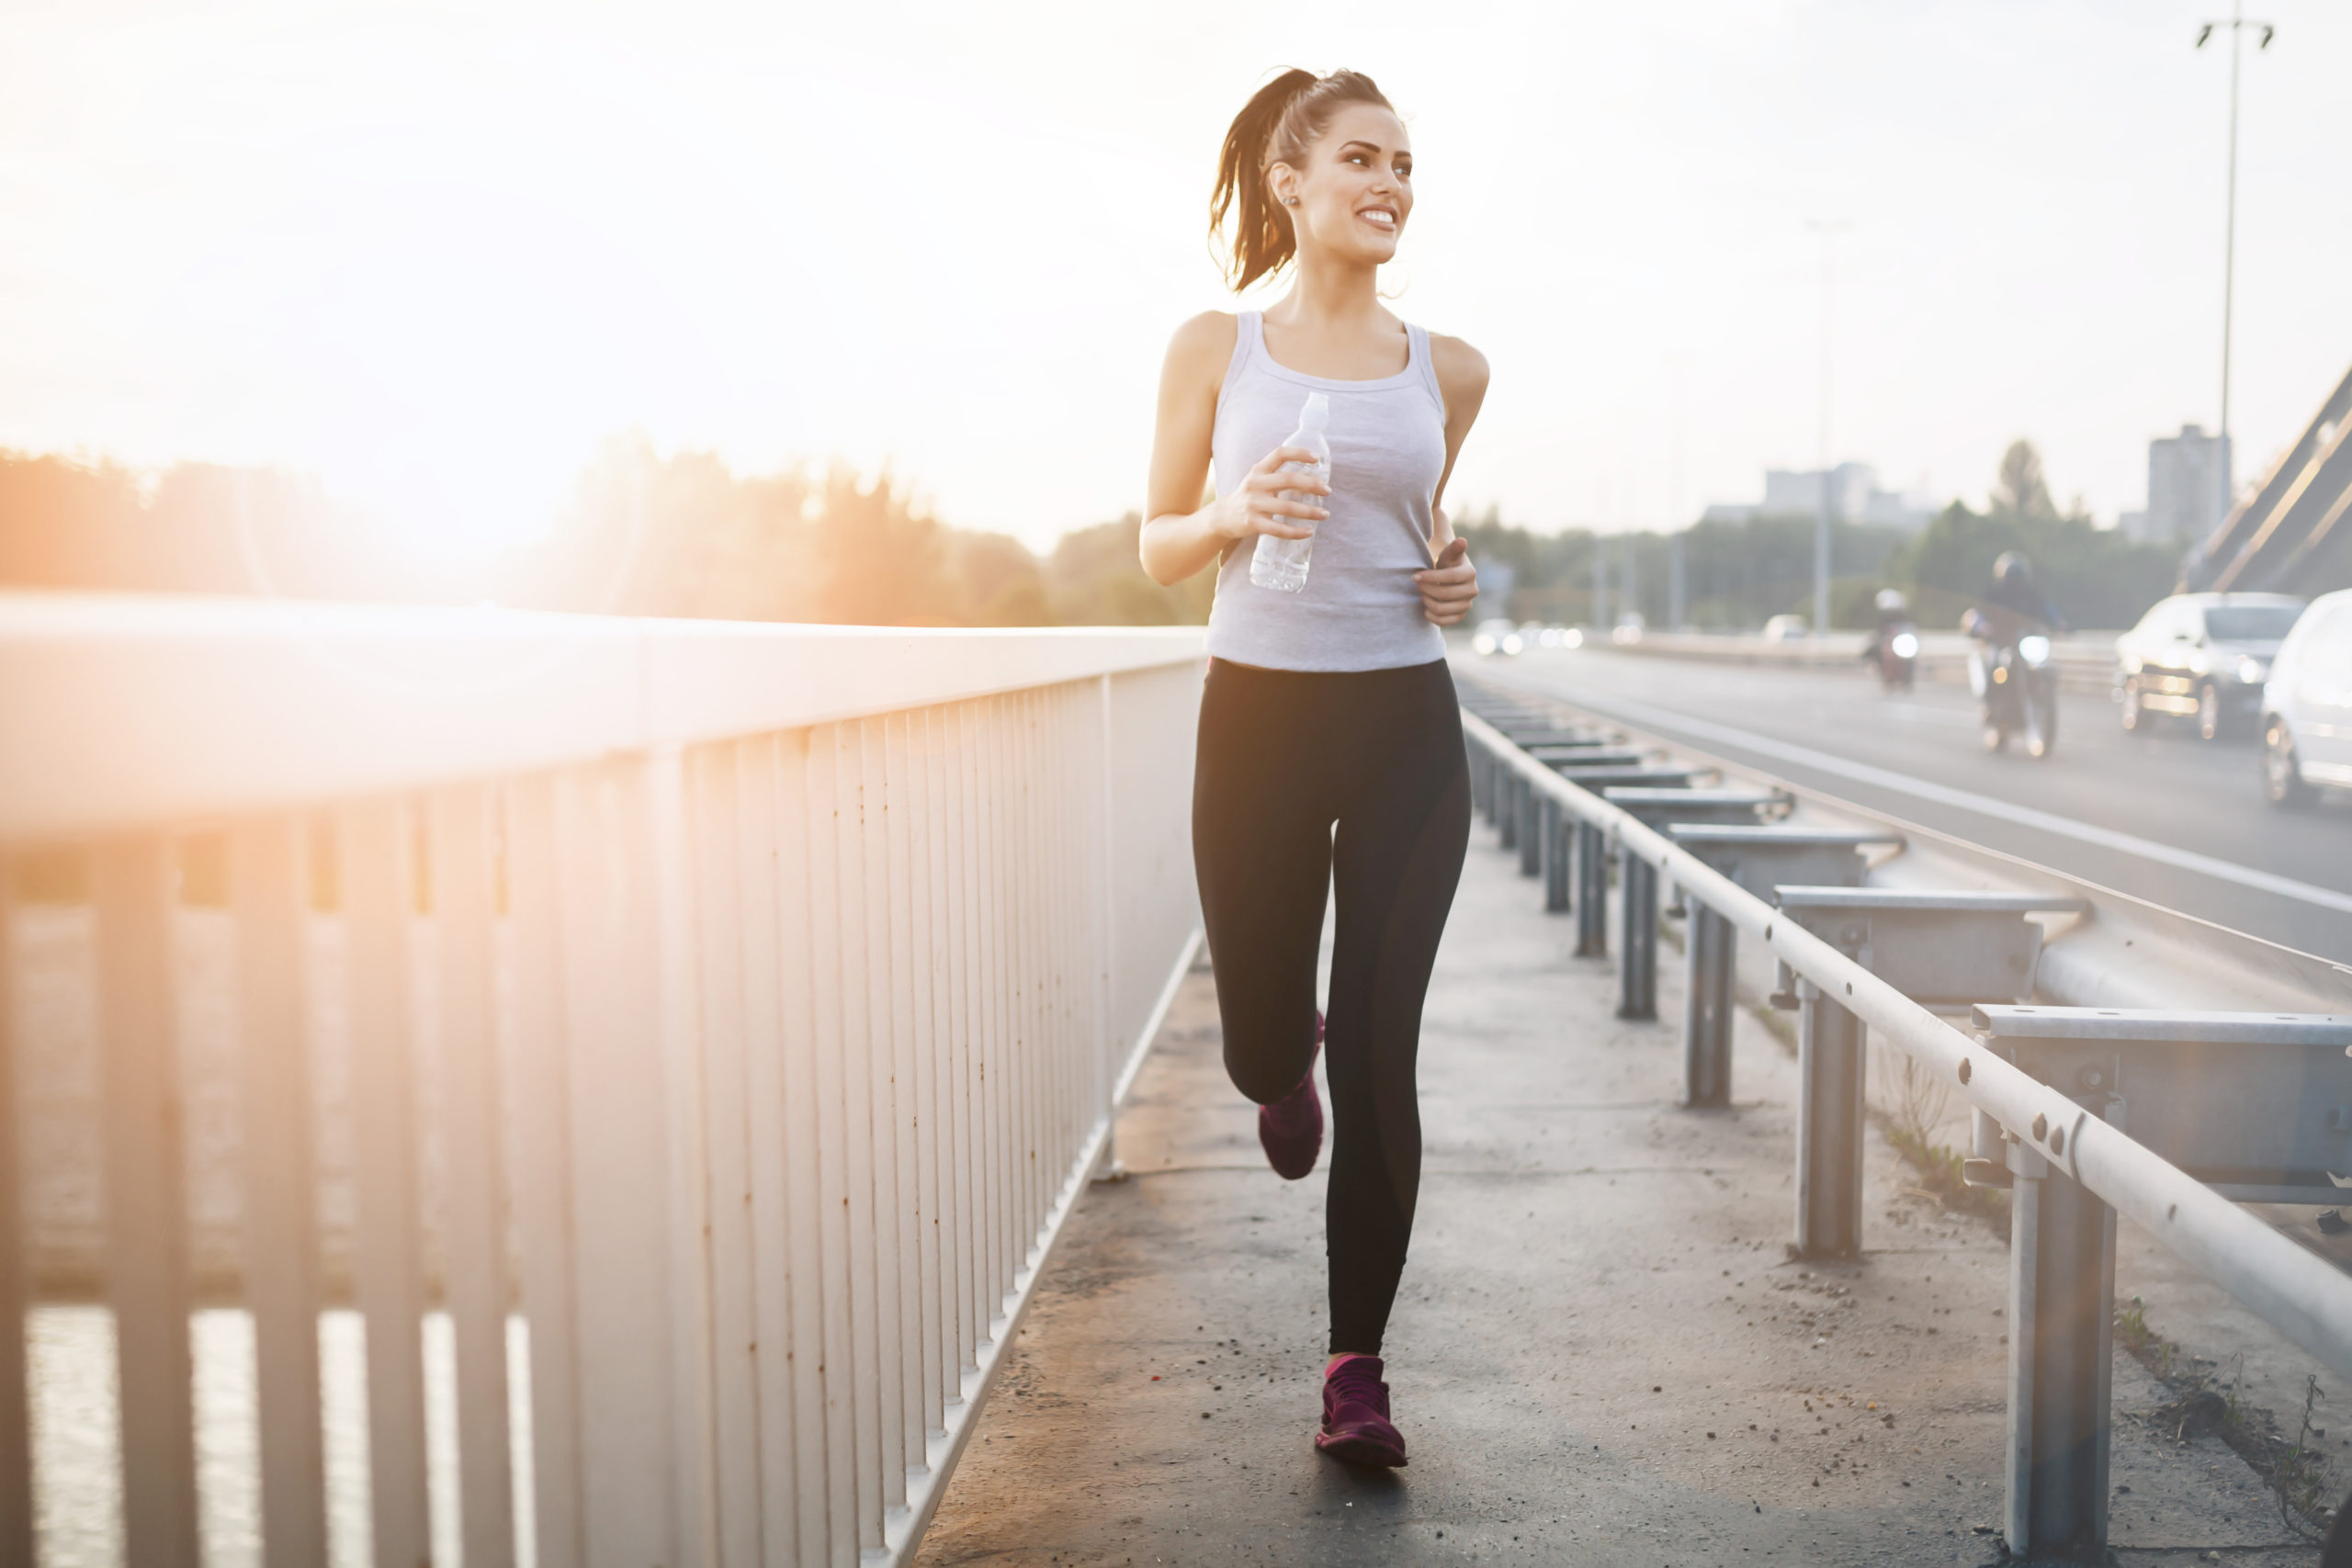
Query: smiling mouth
{"x":1379,"y":217}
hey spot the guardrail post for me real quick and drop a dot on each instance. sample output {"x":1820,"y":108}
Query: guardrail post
{"x":1706,"y":1017}
{"x":1637,"y":959}
{"x":1482,"y":774}
{"x":1530,"y":830}
{"x":2062,"y":1303}
{"x":1555,"y":858}
{"x":1592,"y":892}
{"x":1507,"y":808}
{"x":1831,"y":1064}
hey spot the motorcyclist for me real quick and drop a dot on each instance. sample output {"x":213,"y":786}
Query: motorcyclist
{"x":2016,"y":614}
{"x":2015,"y":590}
{"x":1893,"y":610}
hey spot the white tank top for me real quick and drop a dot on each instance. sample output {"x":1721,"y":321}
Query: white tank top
{"x":1359,"y":609}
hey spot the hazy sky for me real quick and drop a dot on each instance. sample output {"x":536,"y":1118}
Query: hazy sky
{"x":435,"y":253}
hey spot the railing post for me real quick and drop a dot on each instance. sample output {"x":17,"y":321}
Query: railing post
{"x":2061,"y":1301}
{"x":1555,"y":858}
{"x":1831,"y":1062}
{"x":280,"y":1244}
{"x":1509,"y":785}
{"x":1530,"y":829}
{"x":1482,"y":779}
{"x":1637,"y":959}
{"x":1707,"y":1012}
{"x":462,"y":840}
{"x":1592,"y":892}
{"x":146,"y":1187}
{"x":15,"y":1292}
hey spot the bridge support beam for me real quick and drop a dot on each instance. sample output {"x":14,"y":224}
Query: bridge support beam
{"x":1555,"y":858}
{"x":1592,"y":892}
{"x":2061,"y":1303}
{"x":1637,"y":947}
{"x":1706,"y":1019}
{"x":1832,"y":1062}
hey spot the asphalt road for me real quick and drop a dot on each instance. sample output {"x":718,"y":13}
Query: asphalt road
{"x":2162,"y":814}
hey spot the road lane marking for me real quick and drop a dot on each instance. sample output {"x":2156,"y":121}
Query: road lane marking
{"x":1634,"y":712}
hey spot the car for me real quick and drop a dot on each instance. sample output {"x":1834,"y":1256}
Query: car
{"x":1786,"y":628}
{"x":2306,"y":716}
{"x":2203,"y":658}
{"x":1497,"y":636}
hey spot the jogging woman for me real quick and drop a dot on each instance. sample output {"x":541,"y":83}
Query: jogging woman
{"x":1330,"y":756}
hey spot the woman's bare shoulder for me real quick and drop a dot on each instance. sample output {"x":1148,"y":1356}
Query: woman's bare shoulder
{"x":1461,"y":370}
{"x":1205,"y":342}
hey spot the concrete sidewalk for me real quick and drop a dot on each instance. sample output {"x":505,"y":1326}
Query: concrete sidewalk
{"x":1601,"y":1353}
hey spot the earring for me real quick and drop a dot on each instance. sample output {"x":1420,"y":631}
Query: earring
{"x":1290,"y":201}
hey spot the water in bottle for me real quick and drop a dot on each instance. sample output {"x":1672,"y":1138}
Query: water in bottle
{"x":1282,"y":563}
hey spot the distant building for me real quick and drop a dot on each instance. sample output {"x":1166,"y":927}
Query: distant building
{"x":2188,"y":488}
{"x":1854,"y":497}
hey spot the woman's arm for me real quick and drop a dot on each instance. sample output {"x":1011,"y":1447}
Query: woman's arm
{"x":1180,"y":533}
{"x":1450,"y":584}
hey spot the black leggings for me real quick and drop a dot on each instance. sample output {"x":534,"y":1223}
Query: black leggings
{"x":1284,"y":755}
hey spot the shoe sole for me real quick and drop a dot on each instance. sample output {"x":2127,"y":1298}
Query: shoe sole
{"x":1355,"y":1447}
{"x":1295,"y":1173}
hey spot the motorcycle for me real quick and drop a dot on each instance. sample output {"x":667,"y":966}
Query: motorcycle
{"x":2014,"y":672}
{"x":1896,"y":656}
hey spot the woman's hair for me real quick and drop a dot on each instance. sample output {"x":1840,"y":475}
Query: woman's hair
{"x":1284,"y":118}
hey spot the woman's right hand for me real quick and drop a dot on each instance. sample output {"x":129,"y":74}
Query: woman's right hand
{"x":1257,"y":508}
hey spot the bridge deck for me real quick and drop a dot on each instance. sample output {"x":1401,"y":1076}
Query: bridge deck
{"x":1601,"y":1353}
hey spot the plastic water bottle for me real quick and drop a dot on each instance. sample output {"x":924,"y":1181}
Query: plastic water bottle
{"x":1282,"y":563}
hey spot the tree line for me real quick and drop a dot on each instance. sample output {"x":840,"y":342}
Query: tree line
{"x":640,"y":534}
{"x":646,"y":534}
{"x":1737,"y":574}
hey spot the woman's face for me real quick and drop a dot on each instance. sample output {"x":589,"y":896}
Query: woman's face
{"x":1357,"y":187}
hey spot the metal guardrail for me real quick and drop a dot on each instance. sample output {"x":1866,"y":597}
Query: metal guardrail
{"x":781,"y":981}
{"x":2060,"y":1146}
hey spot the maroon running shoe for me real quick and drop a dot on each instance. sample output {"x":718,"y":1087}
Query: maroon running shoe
{"x":1356,"y":1428}
{"x":1291,"y":1129}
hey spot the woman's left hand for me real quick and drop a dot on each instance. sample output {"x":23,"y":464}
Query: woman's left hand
{"x":1449,"y":588}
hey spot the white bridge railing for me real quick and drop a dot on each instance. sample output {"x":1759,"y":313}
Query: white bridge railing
{"x":715,"y":1021}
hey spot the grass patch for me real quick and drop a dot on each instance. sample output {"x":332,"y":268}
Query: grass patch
{"x":1937,"y":1169}
{"x":2205,"y":1401}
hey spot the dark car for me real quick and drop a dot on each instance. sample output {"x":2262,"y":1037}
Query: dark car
{"x":2203,"y":658}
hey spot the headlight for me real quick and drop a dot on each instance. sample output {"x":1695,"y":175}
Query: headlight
{"x":1906,"y":646}
{"x":1571,"y":638}
{"x":1512,"y":642}
{"x":2253,"y":671}
{"x":1483,"y":643}
{"x":2035,"y":649}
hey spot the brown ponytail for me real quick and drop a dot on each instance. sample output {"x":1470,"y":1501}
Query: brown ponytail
{"x":1279,"y":123}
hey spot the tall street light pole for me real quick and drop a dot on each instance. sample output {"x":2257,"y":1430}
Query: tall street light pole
{"x":2238,"y":24}
{"x":1829,"y":229}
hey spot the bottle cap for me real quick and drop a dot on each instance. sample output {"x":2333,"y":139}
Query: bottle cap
{"x":1316,"y":415}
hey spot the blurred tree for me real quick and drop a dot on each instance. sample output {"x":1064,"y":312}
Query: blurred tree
{"x":2019,"y":490}
{"x":194,"y":528}
{"x":1095,"y":576}
{"x":2096,"y":576}
{"x":884,"y":563}
{"x":640,"y":533}
{"x":998,"y":581}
